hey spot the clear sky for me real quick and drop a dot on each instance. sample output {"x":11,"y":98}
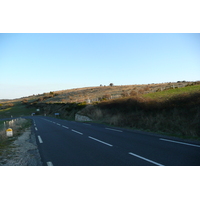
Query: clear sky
{"x":43,"y":62}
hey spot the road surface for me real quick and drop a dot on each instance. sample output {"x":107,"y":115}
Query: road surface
{"x":69,"y":143}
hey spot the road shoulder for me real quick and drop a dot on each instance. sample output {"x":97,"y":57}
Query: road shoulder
{"x":23,"y":152}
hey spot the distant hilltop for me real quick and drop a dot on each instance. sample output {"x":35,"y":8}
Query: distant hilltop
{"x":4,"y":100}
{"x":100,"y":93}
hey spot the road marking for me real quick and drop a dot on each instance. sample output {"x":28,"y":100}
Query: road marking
{"x":49,"y":163}
{"x":36,"y":128}
{"x":65,"y":127}
{"x":40,"y":139}
{"x":180,"y":142}
{"x":87,"y":124}
{"x":58,"y":124}
{"x":100,"y":141}
{"x":145,"y":159}
{"x":114,"y":129}
{"x":77,"y":132}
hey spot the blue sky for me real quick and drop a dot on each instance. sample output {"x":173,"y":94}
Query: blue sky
{"x":39,"y":62}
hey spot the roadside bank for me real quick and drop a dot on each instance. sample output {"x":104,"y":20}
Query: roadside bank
{"x":22,"y":152}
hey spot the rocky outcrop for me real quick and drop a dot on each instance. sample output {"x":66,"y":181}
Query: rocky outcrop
{"x":79,"y":117}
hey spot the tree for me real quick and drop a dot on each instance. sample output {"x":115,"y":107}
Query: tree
{"x":111,"y":84}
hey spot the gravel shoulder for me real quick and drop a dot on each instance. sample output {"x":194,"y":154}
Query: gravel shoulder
{"x":23,"y":152}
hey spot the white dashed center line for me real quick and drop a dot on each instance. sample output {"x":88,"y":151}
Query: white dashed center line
{"x":100,"y":141}
{"x":145,"y":159}
{"x":65,"y":127}
{"x":77,"y":132}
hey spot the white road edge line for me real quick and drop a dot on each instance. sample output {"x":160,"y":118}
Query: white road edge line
{"x":100,"y":141}
{"x":180,"y":142}
{"x":87,"y":124}
{"x":77,"y":132}
{"x":40,"y":139}
{"x":114,"y":129}
{"x":145,"y":159}
{"x":49,"y":163}
{"x":65,"y":127}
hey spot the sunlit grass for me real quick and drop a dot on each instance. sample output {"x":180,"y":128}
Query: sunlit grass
{"x":16,"y":111}
{"x":4,"y":110}
{"x":172,"y":92}
{"x":173,"y":111}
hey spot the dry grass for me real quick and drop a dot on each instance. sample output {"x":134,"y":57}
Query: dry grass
{"x":6,"y":143}
{"x":17,"y":125}
{"x":154,"y":107}
{"x":178,"y":115}
{"x":93,"y":94}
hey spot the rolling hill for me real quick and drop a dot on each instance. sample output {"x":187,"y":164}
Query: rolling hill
{"x":165,"y":108}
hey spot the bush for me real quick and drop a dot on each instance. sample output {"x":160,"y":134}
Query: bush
{"x":178,"y":115}
{"x":133,"y":93}
{"x":24,"y":101}
{"x":106,"y":97}
{"x":125,"y":94}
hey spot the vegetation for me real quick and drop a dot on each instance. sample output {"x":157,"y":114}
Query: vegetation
{"x":169,"y":112}
{"x":17,"y":110}
{"x":18,"y":126}
{"x":65,"y":110}
{"x":171,"y":92}
{"x":165,"y":108}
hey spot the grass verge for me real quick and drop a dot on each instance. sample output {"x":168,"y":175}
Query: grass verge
{"x":18,"y":110}
{"x":18,"y":126}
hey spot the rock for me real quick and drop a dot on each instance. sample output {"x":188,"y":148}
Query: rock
{"x":79,"y":117}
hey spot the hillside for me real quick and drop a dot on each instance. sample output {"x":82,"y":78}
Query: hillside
{"x":94,"y":94}
{"x":175,"y":112}
{"x":167,"y":107}
{"x":88,"y":95}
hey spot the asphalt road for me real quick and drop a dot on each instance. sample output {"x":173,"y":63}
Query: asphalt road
{"x":69,"y":143}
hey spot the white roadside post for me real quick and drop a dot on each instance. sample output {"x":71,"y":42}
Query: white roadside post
{"x":9,"y":132}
